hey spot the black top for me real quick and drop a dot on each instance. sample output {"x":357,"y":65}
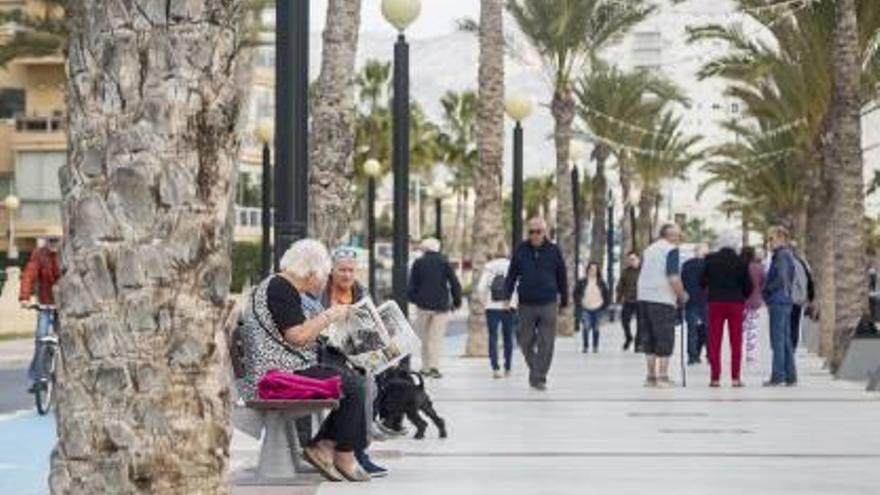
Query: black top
{"x":431,"y":281}
{"x":726,"y":276}
{"x":284,"y":304}
{"x":540,"y":272}
{"x":628,"y":287}
{"x":692,"y":279}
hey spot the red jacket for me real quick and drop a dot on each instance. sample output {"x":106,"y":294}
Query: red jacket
{"x":43,"y":269}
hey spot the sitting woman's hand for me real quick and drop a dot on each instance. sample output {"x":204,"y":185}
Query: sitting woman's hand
{"x":337,"y":312}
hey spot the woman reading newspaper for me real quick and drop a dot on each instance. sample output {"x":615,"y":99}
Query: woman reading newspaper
{"x":280,"y":330}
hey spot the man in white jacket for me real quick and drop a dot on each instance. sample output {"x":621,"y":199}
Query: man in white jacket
{"x":499,"y":311}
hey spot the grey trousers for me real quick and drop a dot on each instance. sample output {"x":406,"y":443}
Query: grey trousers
{"x":537,"y":338}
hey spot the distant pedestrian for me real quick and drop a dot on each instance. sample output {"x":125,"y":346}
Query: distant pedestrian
{"x":538,"y":273}
{"x":726,"y":278}
{"x":492,"y":289}
{"x":433,"y":285}
{"x":696,"y":309}
{"x":777,"y":296}
{"x":751,"y":316}
{"x":660,"y":292}
{"x":628,"y":298}
{"x":591,"y":296}
{"x":803,"y":295}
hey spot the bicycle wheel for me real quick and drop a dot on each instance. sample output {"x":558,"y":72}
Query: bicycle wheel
{"x":45,"y":388}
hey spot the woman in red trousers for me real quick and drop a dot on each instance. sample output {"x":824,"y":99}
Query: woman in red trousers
{"x":726,"y":277}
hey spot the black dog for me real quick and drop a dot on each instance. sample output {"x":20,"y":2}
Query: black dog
{"x":402,"y":394}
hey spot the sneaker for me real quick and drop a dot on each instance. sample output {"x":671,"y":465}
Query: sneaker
{"x":497,"y":374}
{"x":595,"y":350}
{"x":738,"y":384}
{"x":773,"y":383}
{"x":507,"y":372}
{"x":402,"y":432}
{"x":792,"y":383}
{"x":435,"y":373}
{"x":715,"y":384}
{"x":651,"y":382}
{"x":539,"y":386}
{"x":585,"y":350}
{"x":373,"y":469}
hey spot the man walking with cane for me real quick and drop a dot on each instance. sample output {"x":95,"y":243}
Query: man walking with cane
{"x":660,"y":293}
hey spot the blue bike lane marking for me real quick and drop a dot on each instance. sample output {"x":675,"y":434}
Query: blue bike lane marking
{"x":26,"y":441}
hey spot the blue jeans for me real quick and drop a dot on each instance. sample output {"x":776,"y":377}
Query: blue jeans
{"x":697,"y":319}
{"x":590,"y":324}
{"x":780,"y":342}
{"x":45,"y":320}
{"x":503,"y":317}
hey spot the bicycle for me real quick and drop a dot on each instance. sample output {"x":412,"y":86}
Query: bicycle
{"x":44,"y":362}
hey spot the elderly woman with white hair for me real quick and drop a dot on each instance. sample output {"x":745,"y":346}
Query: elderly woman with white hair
{"x":282,"y":324}
{"x":726,"y":276}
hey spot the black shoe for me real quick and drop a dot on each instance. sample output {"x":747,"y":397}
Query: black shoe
{"x":539,"y":386}
{"x":627,"y":344}
{"x":595,"y":350}
{"x":585,"y":350}
{"x":435,"y":373}
{"x":792,"y":383}
{"x":693,"y":361}
{"x":773,"y":383}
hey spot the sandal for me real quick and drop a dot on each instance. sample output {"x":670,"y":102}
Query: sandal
{"x":326,"y":468}
{"x":738,"y":384}
{"x":355,"y":475}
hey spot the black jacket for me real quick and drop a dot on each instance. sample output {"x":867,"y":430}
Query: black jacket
{"x":726,"y":276}
{"x":628,"y":287}
{"x":581,"y":287}
{"x":431,"y":281}
{"x":540,"y":273}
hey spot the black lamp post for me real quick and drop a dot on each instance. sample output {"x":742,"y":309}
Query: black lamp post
{"x":518,"y":107}
{"x":400,"y":13}
{"x":291,"y":123}
{"x":610,"y":242}
{"x":576,"y":152}
{"x":438,"y":192}
{"x":372,"y":169}
{"x":635,"y":194}
{"x":264,"y":135}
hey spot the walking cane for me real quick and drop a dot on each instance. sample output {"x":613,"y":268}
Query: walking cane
{"x":684,"y":382}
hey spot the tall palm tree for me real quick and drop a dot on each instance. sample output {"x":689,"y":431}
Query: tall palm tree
{"x":143,"y":397}
{"x":333,"y":125}
{"x":668,"y":154}
{"x":538,"y":193}
{"x":567,"y":34}
{"x":488,"y":235}
{"x":844,"y":155}
{"x":611,"y":104}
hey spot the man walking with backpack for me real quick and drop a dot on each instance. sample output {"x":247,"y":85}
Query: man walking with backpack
{"x":778,"y":290}
{"x":492,"y":290}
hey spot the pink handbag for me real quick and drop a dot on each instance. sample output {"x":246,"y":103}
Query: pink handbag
{"x":281,"y":385}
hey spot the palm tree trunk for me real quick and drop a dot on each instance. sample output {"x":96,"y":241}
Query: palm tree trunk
{"x":562,"y":109}
{"x":848,"y":201}
{"x":147,"y":194}
{"x":599,"y":236}
{"x":646,"y":205}
{"x":332,"y":130}
{"x":488,"y":234}
{"x":820,"y":254}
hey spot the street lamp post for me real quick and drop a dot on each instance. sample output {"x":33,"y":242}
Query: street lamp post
{"x":635,"y":194}
{"x":610,"y":242}
{"x":400,"y":14}
{"x":518,"y":108}
{"x":438,"y":192}
{"x":265,"y":133}
{"x":372,"y":168}
{"x":291,"y":123}
{"x":576,"y":152}
{"x":12,"y":203}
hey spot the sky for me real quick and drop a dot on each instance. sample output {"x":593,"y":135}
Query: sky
{"x":437,"y":17}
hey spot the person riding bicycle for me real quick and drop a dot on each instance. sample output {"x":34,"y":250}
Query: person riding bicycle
{"x":40,"y":275}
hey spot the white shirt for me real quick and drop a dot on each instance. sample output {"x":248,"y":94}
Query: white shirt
{"x":654,"y":285}
{"x":492,"y":269}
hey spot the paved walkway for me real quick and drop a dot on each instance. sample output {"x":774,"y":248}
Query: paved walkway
{"x":597,"y":430}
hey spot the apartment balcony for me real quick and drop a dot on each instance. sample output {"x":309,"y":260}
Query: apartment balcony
{"x":40,"y":132}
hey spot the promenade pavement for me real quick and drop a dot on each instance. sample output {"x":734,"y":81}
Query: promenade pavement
{"x":598,"y":430}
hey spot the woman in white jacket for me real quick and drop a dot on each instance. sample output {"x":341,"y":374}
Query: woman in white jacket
{"x":499,"y":311}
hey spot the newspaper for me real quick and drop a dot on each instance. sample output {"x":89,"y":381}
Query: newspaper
{"x":373,"y":338}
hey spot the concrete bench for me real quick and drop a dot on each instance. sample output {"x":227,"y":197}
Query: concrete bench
{"x":280,"y":449}
{"x":861,"y":360}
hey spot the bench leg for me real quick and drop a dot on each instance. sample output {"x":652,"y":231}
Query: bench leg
{"x":277,"y":455}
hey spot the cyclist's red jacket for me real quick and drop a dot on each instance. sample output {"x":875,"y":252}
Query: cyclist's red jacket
{"x":43,"y":269}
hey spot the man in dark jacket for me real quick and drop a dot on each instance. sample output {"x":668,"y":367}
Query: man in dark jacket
{"x":431,"y":282}
{"x":696,"y":309}
{"x":537,"y":272}
{"x":628,"y":297}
